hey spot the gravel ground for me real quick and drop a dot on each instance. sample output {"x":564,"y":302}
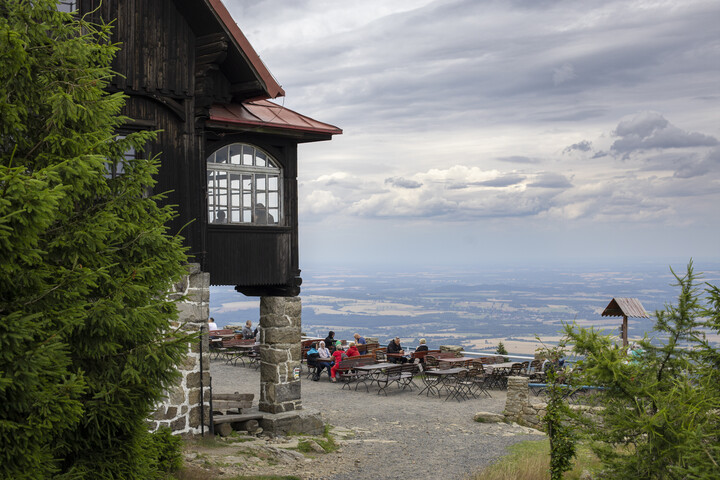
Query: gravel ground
{"x":391,"y":437}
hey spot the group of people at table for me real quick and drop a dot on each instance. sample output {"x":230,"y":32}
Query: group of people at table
{"x":328,"y":353}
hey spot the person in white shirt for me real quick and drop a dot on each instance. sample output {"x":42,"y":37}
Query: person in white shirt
{"x":212,"y":325}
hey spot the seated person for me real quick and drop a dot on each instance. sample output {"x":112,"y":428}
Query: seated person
{"x":314,"y":361}
{"x":330,"y":341}
{"x":395,"y":347}
{"x":338,"y":356}
{"x":352,"y":350}
{"x":359,"y":340}
{"x":422,"y":347}
{"x":247,"y":331}
{"x":212,"y":325}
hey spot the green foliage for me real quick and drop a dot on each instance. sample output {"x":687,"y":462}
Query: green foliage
{"x":165,"y":449}
{"x":660,"y":412}
{"x":558,"y":416}
{"x":86,"y":347}
{"x":501,"y":350}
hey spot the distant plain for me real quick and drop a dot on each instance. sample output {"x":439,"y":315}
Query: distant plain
{"x":475,"y":308}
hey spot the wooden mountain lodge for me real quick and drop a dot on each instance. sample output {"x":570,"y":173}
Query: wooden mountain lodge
{"x":229,"y":155}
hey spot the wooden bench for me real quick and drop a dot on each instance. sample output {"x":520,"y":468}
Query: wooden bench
{"x":224,"y":422}
{"x":346,"y":369}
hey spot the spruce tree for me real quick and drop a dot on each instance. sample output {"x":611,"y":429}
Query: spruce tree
{"x":86,"y":344}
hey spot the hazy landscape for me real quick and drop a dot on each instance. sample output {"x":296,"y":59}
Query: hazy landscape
{"x":474,"y":308}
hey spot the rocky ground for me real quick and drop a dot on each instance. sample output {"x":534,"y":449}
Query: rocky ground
{"x":397,"y":436}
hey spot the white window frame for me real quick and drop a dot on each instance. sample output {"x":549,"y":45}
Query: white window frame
{"x":244,"y":185}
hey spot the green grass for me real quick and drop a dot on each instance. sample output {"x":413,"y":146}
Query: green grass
{"x":531,"y":461}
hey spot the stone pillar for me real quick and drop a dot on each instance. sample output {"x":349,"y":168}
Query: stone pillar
{"x":517,"y":397}
{"x":280,"y":354}
{"x":181,"y":411}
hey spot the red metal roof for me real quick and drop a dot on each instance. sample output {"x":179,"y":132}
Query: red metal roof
{"x":270,"y":85}
{"x":263,"y":113}
{"x":629,"y":307}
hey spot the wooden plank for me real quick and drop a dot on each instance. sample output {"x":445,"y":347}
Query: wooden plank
{"x":218,"y":419}
{"x":238,"y":397}
{"x":228,"y":404}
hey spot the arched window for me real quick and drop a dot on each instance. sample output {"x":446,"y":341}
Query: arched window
{"x":243,"y":186}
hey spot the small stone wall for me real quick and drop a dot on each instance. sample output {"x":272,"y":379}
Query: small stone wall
{"x":456,"y":349}
{"x":280,"y":354}
{"x":518,"y":407}
{"x":181,"y":411}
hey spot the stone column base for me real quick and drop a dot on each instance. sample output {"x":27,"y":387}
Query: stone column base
{"x":280,"y":354}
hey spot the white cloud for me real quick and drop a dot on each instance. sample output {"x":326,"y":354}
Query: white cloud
{"x":321,"y":202}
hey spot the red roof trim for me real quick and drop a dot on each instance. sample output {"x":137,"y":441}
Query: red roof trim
{"x":268,"y":114}
{"x":271,"y":86}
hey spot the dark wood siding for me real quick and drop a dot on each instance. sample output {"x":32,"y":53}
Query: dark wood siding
{"x":157,"y":45}
{"x":170,"y":65}
{"x":250,"y":256}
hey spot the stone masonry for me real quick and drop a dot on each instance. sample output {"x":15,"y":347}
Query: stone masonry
{"x":181,"y":411}
{"x":518,"y":407}
{"x":280,"y":354}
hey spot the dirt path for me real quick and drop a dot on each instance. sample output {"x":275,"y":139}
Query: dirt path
{"x":380,"y":437}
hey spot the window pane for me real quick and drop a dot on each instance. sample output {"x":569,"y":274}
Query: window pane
{"x":219,"y":216}
{"x":260,"y":159}
{"x":221,"y":155}
{"x":235,"y":154}
{"x":235,"y":181}
{"x":247,"y":155}
{"x":246,"y":195}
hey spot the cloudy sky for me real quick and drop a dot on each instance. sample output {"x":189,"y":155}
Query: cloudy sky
{"x":501,"y":131}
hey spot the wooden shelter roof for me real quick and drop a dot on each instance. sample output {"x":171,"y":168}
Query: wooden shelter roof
{"x":625,"y":307}
{"x":262,"y":115}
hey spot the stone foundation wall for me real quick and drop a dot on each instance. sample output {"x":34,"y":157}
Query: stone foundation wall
{"x":280,"y":354}
{"x":181,"y":411}
{"x":518,"y":407}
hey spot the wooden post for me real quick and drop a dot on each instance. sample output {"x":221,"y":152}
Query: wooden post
{"x":625,"y":331}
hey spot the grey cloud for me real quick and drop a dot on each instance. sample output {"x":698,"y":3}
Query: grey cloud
{"x":551,"y":180}
{"x":518,"y":159}
{"x":401,"y":182}
{"x":696,"y":168}
{"x":583,"y":146}
{"x":650,"y":130}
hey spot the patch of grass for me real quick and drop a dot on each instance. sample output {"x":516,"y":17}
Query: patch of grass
{"x":326,"y":442}
{"x":205,"y":442}
{"x":531,"y":461}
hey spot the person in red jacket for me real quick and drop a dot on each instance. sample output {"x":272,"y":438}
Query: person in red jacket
{"x":337,"y":355}
{"x":352,"y":350}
